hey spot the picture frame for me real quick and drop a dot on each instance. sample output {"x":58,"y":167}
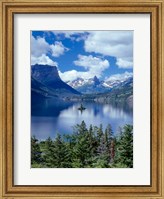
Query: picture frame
{"x":8,"y":9}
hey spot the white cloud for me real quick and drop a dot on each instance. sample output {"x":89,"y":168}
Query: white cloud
{"x":93,"y":66}
{"x":123,"y":63}
{"x":58,"y":49}
{"x":43,"y":59}
{"x":73,"y":35}
{"x":67,"y":34}
{"x":74,"y":74}
{"x":39,"y":49}
{"x":118,"y":44}
{"x":69,"y":75}
{"x":91,"y":63}
{"x":120,"y":77}
{"x":39,"y":46}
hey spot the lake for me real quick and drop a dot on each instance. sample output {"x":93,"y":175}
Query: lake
{"x":52,"y":117}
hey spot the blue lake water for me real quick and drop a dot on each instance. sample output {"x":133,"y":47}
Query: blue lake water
{"x":52,"y":117}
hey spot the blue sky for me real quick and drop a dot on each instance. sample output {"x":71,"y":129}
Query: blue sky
{"x":84,"y":54}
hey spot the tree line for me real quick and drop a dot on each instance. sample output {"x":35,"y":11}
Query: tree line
{"x":90,"y":147}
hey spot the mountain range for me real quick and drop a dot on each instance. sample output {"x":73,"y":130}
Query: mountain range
{"x":46,"y":83}
{"x":94,"y":85}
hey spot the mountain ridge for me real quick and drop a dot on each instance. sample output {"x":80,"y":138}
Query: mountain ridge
{"x":94,"y":85}
{"x":46,"y":83}
{"x":49,"y":77}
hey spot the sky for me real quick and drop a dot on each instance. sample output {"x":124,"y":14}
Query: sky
{"x":84,"y":54}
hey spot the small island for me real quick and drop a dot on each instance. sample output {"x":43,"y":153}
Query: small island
{"x":81,"y":108}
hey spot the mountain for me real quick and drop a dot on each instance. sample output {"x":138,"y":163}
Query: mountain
{"x":94,"y":85}
{"x":86,"y":86}
{"x":96,"y":81}
{"x":40,"y":91}
{"x":119,"y":82}
{"x":49,"y":78}
{"x":119,"y":95}
{"x":42,"y":100}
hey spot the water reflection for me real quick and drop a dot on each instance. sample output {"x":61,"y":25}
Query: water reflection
{"x":55,"y":118}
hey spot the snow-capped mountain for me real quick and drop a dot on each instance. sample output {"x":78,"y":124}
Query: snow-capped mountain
{"x":81,"y":82}
{"x":94,"y":85}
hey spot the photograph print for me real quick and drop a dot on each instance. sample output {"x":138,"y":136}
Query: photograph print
{"x":82,"y":99}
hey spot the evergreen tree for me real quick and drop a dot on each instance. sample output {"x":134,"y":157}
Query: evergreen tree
{"x":86,"y":147}
{"x":99,"y":133}
{"x":92,"y":141}
{"x":124,"y":148}
{"x":112,"y":150}
{"x":109,"y":142}
{"x":61,"y":155}
{"x":83,"y":147}
{"x":80,"y":129}
{"x":108,"y":134}
{"x":48,"y":153}
{"x":35,"y":151}
{"x":103,"y":153}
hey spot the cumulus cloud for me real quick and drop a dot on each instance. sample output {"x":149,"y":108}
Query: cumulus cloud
{"x":118,"y":44}
{"x":92,"y":65}
{"x":39,"y":46}
{"x":124,"y":63}
{"x":58,"y":49}
{"x":90,"y":62}
{"x":43,"y":59}
{"x":120,"y":77}
{"x":69,"y":75}
{"x":74,"y":74}
{"x":73,"y":35}
{"x":39,"y":49}
{"x":68,"y":33}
